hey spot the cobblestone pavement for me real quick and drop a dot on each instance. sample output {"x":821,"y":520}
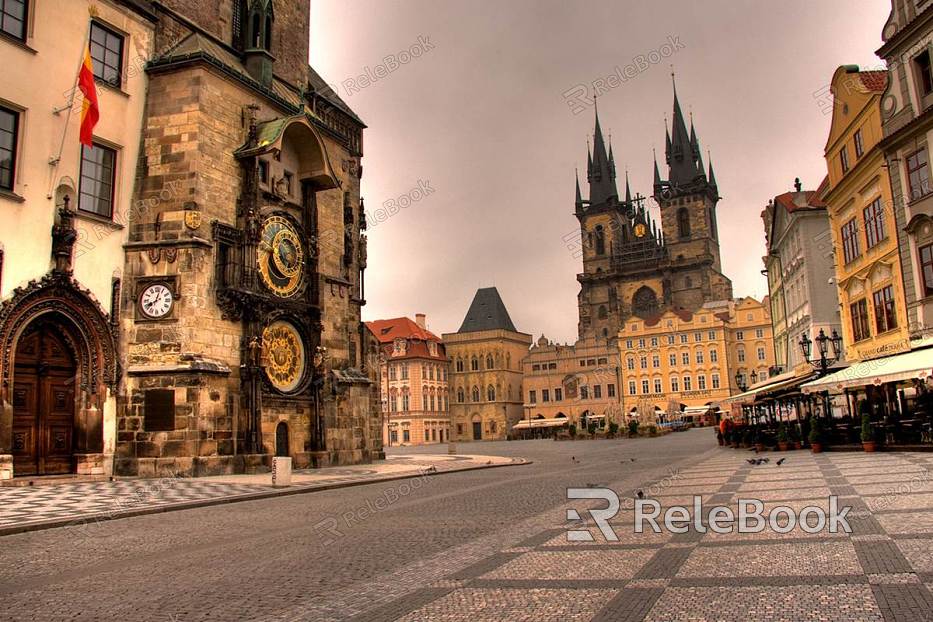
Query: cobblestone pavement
{"x":81,"y":504}
{"x":492,"y":545}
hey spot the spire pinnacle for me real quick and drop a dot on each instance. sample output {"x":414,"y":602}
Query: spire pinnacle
{"x":579,"y":198}
{"x":712,"y":175}
{"x":602,"y":175}
{"x":628,"y":192}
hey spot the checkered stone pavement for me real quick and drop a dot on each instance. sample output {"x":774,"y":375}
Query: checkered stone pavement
{"x":881,"y":572}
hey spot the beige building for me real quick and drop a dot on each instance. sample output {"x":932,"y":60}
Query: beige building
{"x":413,"y":371}
{"x":65,"y":211}
{"x":566,"y":384}
{"x":680,"y":359}
{"x":486,"y":370}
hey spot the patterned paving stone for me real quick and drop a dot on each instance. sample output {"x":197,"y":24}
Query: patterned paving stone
{"x":919,"y":553}
{"x":906,"y":522}
{"x":608,"y":564}
{"x":817,"y":482}
{"x":904,"y":603}
{"x":782,"y":494}
{"x":495,"y":605}
{"x":798,"y":559}
{"x":898,"y":501}
{"x":852,"y":603}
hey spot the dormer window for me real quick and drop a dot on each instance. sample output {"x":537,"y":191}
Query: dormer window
{"x":924,"y":74}
{"x":261,"y":15}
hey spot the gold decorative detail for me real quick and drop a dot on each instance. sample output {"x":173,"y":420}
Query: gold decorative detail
{"x":283,"y":353}
{"x":193,"y":219}
{"x":640,"y":230}
{"x":280,"y":257}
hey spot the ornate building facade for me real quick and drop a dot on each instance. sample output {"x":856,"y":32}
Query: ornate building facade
{"x":413,"y":368}
{"x":907,"y":118}
{"x":241,"y":326}
{"x":486,"y":370}
{"x":632,"y":266}
{"x":864,"y":230}
{"x":65,"y":208}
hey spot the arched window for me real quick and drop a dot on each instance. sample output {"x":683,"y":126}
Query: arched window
{"x":683,"y":222}
{"x":475,"y":394}
{"x":267,"y":42}
{"x":459,"y":364}
{"x":489,"y":362}
{"x":490,"y":393}
{"x":645,"y":302}
{"x":600,"y":240}
{"x":508,"y":360}
{"x":474,"y":364}
{"x":460,"y":395}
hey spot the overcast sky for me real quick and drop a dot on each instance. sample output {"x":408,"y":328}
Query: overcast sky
{"x":481,"y":117}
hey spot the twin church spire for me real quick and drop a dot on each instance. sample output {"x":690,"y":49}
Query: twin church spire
{"x":684,"y":159}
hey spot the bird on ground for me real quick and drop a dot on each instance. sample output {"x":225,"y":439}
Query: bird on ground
{"x":781,"y":461}
{"x":574,"y":460}
{"x":751,"y":461}
{"x":431,"y":469}
{"x":631,"y":459}
{"x":766,"y":459}
{"x":640,"y":494}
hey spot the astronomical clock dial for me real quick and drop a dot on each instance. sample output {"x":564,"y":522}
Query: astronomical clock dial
{"x":156,"y":301}
{"x":640,"y":230}
{"x":280,"y":257}
{"x":284,"y":355}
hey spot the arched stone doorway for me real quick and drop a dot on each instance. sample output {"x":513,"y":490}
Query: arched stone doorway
{"x":43,"y":402}
{"x":281,"y":440}
{"x":57,"y":362}
{"x":477,"y":428}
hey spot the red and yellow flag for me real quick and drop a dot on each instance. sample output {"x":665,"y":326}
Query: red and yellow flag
{"x":89,"y":110}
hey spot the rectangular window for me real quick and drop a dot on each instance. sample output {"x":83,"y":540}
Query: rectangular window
{"x":683,"y":338}
{"x":924,"y":75}
{"x":759,"y":333}
{"x":657,"y":385}
{"x":628,"y":344}
{"x":545,"y":395}
{"x":393,"y":436}
{"x":644,"y":362}
{"x":701,"y":383}
{"x":740,"y":335}
{"x":874,"y":223}
{"x":761,"y":354}
{"x":698,"y":337}
{"x":644,"y":387}
{"x":611,"y":390}
{"x":670,"y":340}
{"x":631,"y":387}
{"x":699,"y":356}
{"x":712,"y":335}
{"x":406,"y":436}
{"x":13,"y":18}
{"x":98,"y":171}
{"x":885,"y":318}
{"x":405,"y":371}
{"x":159,"y":410}
{"x":741,"y":353}
{"x":675,"y":385}
{"x":630,"y":363}
{"x":859,"y":147}
{"x":714,"y":356}
{"x":672,"y":359}
{"x":715,"y":379}
{"x":688,"y":384}
{"x":641,"y":343}
{"x":405,"y":403}
{"x":655,"y":361}
{"x":685,"y":358}
{"x":918,"y":174}
{"x":844,"y":159}
{"x":427,"y":435}
{"x":558,"y":395}
{"x":107,"y":54}
{"x":654,"y":342}
{"x":584,"y":393}
{"x":9,"y":137}
{"x":597,"y":391}
{"x":850,"y":244}
{"x":859,"y":312}
{"x":264,"y":172}
{"x":926,"y":269}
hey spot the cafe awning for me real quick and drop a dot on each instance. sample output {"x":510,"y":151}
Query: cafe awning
{"x":918,"y":363}
{"x":771,"y":383}
{"x":526,"y":424}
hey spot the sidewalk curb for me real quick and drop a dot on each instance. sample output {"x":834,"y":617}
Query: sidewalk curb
{"x":252,"y":496}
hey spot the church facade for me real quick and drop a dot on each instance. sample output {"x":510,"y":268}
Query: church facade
{"x":633,"y":265}
{"x":240,"y":315}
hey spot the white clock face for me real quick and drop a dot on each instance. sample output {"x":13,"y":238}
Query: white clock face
{"x":156,"y":301}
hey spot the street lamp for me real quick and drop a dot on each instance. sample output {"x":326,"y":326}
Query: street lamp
{"x":823,"y":344}
{"x":754,"y":377}
{"x":740,"y":381}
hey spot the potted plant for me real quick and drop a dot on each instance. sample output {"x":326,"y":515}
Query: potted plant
{"x":572,"y":429}
{"x":815,"y":437}
{"x":633,"y":428}
{"x":793,"y":437}
{"x":613,"y":429}
{"x":783,"y":440}
{"x":652,"y":430}
{"x":759,"y":441}
{"x":591,"y":428}
{"x":868,"y":440}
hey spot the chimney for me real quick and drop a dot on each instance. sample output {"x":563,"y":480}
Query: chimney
{"x":419,"y":320}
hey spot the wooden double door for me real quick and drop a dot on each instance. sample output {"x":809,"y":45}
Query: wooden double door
{"x":43,"y":404}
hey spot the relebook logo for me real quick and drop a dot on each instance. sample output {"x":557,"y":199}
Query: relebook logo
{"x":746,"y":516}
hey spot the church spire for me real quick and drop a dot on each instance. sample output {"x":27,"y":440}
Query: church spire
{"x":680,"y":155}
{"x":712,"y":175}
{"x":579,"y":197}
{"x":602,"y":178}
{"x":628,"y":192}
{"x":657,"y":174}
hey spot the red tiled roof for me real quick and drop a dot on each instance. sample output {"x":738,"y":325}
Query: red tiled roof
{"x":386,"y":331}
{"x":875,"y":81}
{"x":417,"y":349}
{"x":812,"y":197}
{"x":683,"y":314}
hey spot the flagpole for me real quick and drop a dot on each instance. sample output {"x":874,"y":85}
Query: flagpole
{"x":54,"y":161}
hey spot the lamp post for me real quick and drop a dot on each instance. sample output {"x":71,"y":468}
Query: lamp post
{"x":740,"y":381}
{"x":823,"y":343}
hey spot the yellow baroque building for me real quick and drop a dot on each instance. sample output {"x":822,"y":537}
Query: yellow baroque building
{"x":486,"y":370}
{"x":864,"y":232}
